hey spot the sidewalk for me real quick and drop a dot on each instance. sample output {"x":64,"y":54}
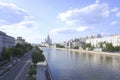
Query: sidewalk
{"x":41,"y":71}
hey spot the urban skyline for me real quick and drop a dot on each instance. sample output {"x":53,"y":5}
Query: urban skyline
{"x":34,"y":20}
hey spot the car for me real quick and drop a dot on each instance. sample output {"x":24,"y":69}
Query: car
{"x":10,"y":65}
{"x":18,"y":60}
{"x":1,"y":72}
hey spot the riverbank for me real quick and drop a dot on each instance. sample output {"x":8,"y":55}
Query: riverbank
{"x":92,"y":52}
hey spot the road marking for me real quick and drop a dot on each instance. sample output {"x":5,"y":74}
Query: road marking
{"x":20,"y":73}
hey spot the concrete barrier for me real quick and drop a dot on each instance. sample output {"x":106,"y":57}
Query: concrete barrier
{"x":43,"y":71}
{"x":50,"y":74}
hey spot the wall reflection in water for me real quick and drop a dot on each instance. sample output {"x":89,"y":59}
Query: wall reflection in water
{"x":96,"y":59}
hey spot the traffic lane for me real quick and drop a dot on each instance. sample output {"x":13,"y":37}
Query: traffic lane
{"x":13,"y":72}
{"x":22,"y":74}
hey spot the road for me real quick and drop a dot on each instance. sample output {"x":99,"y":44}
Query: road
{"x":18,"y":71}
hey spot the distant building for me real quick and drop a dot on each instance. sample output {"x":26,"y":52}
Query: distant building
{"x":115,"y":40}
{"x":74,"y":42}
{"x":6,"y":41}
{"x":93,"y":37}
{"x":20,"y":40}
{"x":48,"y":41}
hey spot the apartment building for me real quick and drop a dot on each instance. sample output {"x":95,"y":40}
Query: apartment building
{"x":6,"y":41}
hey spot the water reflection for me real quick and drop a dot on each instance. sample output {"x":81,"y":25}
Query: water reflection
{"x":98,"y":59}
{"x":69,"y":65}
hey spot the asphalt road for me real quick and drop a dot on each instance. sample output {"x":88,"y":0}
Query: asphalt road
{"x":22,"y":74}
{"x":18,"y":71}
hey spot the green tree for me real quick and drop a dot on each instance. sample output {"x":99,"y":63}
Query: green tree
{"x":101,"y":44}
{"x":108,"y":47}
{"x":6,"y":54}
{"x":37,"y":56}
{"x":88,"y":45}
{"x":59,"y":46}
{"x":76,"y":47}
{"x":117,"y":48}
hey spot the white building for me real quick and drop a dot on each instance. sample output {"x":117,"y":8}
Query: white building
{"x":20,"y":40}
{"x":6,"y":41}
{"x":74,"y":42}
{"x":115,"y":40}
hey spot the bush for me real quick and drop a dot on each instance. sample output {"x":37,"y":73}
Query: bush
{"x":32,"y":72}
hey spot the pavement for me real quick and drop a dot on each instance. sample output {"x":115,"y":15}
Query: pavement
{"x":41,"y":71}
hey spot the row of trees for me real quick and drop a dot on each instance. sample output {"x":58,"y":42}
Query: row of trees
{"x":88,"y":46}
{"x":59,"y":46}
{"x":37,"y":55}
{"x":17,"y":51}
{"x":110,"y":48}
{"x":107,"y":47}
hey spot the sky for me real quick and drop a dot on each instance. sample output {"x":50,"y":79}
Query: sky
{"x":61,"y":19}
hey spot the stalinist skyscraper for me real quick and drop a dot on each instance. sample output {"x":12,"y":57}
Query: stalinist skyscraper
{"x":48,"y":41}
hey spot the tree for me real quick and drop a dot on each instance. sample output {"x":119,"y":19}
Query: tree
{"x":108,"y":47}
{"x":59,"y":46}
{"x":100,"y":44}
{"x":88,"y":45}
{"x":76,"y":47}
{"x":6,"y":54}
{"x":117,"y":48}
{"x":37,"y":56}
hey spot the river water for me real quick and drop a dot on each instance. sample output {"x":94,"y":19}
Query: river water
{"x":71,"y":65}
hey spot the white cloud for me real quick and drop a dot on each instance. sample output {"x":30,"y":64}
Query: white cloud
{"x":30,"y":34}
{"x":16,"y":22}
{"x":69,"y":30}
{"x":28,"y":24}
{"x":90,"y":14}
{"x":80,"y":29}
{"x":114,"y":10}
{"x":11,"y":14}
{"x":118,"y":14}
{"x":114,"y":23}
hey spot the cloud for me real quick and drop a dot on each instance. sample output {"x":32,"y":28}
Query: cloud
{"x":118,"y":14}
{"x":91,"y":14}
{"x":113,"y":23}
{"x":30,"y":34}
{"x":80,"y":29}
{"x":16,"y":21}
{"x":11,"y":14}
{"x":114,"y":10}
{"x":69,"y":30}
{"x":28,"y":24}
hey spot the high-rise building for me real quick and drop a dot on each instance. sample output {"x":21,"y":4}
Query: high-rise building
{"x":48,"y":41}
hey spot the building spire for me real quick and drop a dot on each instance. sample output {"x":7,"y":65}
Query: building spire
{"x":48,"y":41}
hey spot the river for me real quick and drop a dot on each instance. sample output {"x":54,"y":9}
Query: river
{"x":71,"y":65}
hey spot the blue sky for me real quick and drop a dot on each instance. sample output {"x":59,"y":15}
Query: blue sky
{"x":62,"y":20}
